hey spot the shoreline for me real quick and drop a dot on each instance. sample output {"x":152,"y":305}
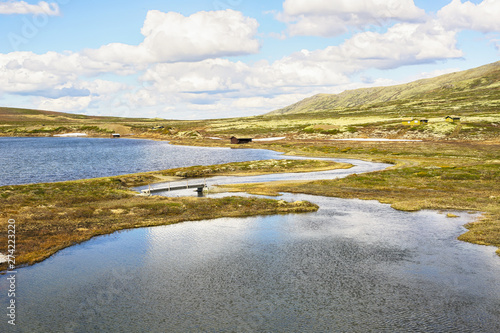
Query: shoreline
{"x":308,"y":189}
{"x":122,"y":202}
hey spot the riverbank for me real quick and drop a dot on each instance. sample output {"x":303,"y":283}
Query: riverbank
{"x":439,"y":175}
{"x":446,"y":175}
{"x":53,"y":216}
{"x":250,"y":168}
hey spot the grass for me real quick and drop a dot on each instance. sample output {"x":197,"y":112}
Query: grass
{"x":231,"y":169}
{"x":53,"y":216}
{"x":477,"y":123}
{"x":427,"y":175}
{"x":455,"y":168}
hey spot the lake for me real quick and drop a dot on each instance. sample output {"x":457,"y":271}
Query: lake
{"x":37,"y":160}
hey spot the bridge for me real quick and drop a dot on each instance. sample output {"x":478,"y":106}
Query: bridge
{"x":199,"y":188}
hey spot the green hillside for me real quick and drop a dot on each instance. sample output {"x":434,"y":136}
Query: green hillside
{"x":476,"y":89}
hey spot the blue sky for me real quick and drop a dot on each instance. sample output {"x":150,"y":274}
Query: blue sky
{"x":219,"y":58}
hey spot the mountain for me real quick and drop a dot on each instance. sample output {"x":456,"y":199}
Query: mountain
{"x":479,"y":86}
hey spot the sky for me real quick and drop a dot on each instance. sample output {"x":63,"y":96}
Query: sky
{"x":205,"y":59}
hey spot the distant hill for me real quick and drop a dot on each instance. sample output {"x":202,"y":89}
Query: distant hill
{"x":15,"y":115}
{"x":479,"y":86}
{"x":29,"y":122}
{"x":18,"y":116}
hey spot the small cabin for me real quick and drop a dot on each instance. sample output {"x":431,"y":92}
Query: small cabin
{"x":115,"y":135}
{"x":452,"y":119}
{"x":235,"y":140}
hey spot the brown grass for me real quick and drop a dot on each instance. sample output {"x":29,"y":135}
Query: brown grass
{"x":52,"y":216}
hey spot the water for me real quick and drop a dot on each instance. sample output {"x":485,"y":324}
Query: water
{"x":353,"y":266}
{"x":36,"y":160}
{"x":358,"y":166}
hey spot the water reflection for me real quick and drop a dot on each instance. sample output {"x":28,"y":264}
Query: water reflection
{"x":353,"y":266}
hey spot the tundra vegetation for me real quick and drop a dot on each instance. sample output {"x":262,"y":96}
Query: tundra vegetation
{"x":450,"y":175}
{"x":456,"y":166}
{"x":52,"y":216}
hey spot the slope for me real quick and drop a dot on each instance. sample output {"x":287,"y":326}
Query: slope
{"x":479,"y":86}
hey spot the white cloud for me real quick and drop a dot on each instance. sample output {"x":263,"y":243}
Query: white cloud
{"x":482,"y":17}
{"x":101,"y":88}
{"x":180,"y":70}
{"x":79,"y":96}
{"x":329,"y":18}
{"x":172,"y":37}
{"x":57,"y":78}
{"x":206,"y":75}
{"x":496,"y":43}
{"x":64,"y":104}
{"x":219,"y":84}
{"x":24,"y":72}
{"x":402,"y":44}
{"x":399,"y":9}
{"x":218,"y":87}
{"x":208,"y":78}
{"x":22,"y":7}
{"x":301,"y":69}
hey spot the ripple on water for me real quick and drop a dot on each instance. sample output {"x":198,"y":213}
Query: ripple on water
{"x":368,"y":269}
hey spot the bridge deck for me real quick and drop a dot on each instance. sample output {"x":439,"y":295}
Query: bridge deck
{"x":199,"y":188}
